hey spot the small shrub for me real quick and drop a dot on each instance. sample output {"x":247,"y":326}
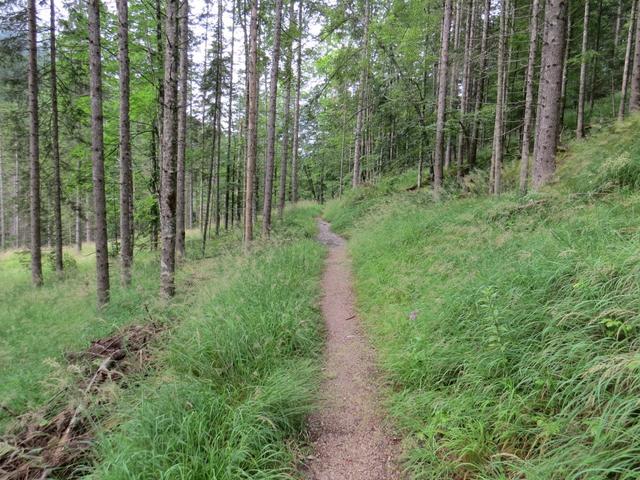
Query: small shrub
{"x":69,"y":263}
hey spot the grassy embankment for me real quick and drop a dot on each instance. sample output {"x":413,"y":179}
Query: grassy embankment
{"x":230,"y":382}
{"x":509,"y":327}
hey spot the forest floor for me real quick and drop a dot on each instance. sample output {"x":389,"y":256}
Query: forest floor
{"x":350,"y":440}
{"x":223,"y":392}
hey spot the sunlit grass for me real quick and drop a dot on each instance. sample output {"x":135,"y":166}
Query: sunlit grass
{"x":39,"y":325}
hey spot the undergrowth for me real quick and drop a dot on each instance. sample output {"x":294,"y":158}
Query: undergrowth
{"x":236,"y":380}
{"x":510,"y":327}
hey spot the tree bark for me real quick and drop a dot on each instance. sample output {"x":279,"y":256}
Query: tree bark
{"x":214,"y":163}
{"x":97,"y":154}
{"x":480,"y":88}
{"x":359,"y":136}
{"x":219,"y":115}
{"x":498,"y":128}
{"x":126,"y":175}
{"x":627,"y":62}
{"x":203,"y":139}
{"x":450,"y":151}
{"x":443,"y":65}
{"x":528,"y":97}
{"x":465,"y":85}
{"x":583,"y":72}
{"x":169,"y":152}
{"x":55,"y":146}
{"x":271,"y":122}
{"x":549,"y":92}
{"x":282,"y":197}
{"x":16,"y":200}
{"x":3,"y":232}
{"x":634,"y":98}
{"x":565,"y":68}
{"x":594,"y":68}
{"x":183,"y":76}
{"x":78,"y":211}
{"x":229,"y":180}
{"x":616,"y":35}
{"x":34,"y":148}
{"x":296,"y":114}
{"x":252,"y":127}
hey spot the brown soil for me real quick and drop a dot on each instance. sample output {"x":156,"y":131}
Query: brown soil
{"x":54,"y":440}
{"x":349,"y":437}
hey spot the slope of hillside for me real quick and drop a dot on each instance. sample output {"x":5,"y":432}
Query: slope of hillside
{"x":509,"y":327}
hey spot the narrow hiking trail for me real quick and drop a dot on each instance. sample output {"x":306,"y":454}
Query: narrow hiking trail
{"x":349,"y":437}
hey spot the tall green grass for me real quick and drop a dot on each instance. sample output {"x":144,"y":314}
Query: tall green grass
{"x":510,"y":328}
{"x":238,"y":375}
{"x":39,"y":325}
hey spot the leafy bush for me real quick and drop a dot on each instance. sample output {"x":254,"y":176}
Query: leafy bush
{"x":69,"y":262}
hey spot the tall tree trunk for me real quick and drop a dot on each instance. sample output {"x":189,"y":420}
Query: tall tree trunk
{"x":229,"y":180}
{"x":634,"y":97}
{"x":498,"y":128}
{"x":158,"y":124}
{"x":252,"y":127}
{"x":296,"y":114}
{"x":344,"y":135}
{"x":594,"y":68}
{"x":528,"y":97}
{"x":618,"y":27}
{"x":450,"y":151}
{"x":549,"y":93}
{"x":565,"y":68}
{"x":219,"y":115}
{"x":214,"y":163}
{"x":282,"y":197}
{"x":34,"y":149}
{"x":480,"y":88}
{"x":465,"y":85}
{"x":16,"y":199}
{"x":3,"y":232}
{"x":126,"y":175}
{"x":97,"y":154}
{"x":583,"y":72}
{"x":271,"y":122}
{"x":55,"y":145}
{"x":78,"y":210}
{"x":203,"y":130}
{"x":169,"y":151}
{"x":443,"y":67}
{"x":627,"y":61}
{"x":362,"y":95}
{"x":183,"y":77}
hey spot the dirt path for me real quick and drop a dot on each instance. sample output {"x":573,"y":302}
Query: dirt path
{"x":349,"y":438}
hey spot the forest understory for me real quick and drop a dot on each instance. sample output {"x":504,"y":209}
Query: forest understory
{"x":170,"y":308}
{"x":505,"y":329}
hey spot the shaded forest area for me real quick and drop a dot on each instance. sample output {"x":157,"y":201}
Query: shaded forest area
{"x":146,"y":120}
{"x":170,"y":159}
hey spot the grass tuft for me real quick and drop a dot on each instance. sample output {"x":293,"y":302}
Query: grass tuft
{"x":238,"y":376}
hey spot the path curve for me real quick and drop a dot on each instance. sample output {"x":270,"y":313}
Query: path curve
{"x":349,"y":438}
